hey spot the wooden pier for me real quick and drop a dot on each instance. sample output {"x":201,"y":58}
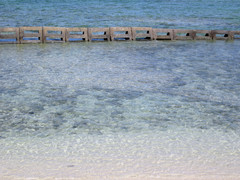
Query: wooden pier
{"x":22,"y":35}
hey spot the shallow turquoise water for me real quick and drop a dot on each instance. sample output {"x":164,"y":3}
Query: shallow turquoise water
{"x":126,"y":109}
{"x":112,"y":87}
{"x":120,"y":109}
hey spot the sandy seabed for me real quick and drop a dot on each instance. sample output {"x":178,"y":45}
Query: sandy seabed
{"x":161,"y":155}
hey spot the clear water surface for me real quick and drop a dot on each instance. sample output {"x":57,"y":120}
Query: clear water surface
{"x":189,"y":14}
{"x":138,"y":110}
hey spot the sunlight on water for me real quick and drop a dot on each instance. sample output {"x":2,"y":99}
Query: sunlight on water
{"x":120,"y":108}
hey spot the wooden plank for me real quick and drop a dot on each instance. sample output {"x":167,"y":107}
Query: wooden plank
{"x":78,"y":37}
{"x":31,"y":32}
{"x":104,"y":34}
{"x":183,"y":34}
{"x":203,"y":34}
{"x":54,"y":34}
{"x":120,"y":33}
{"x":162,"y":34}
{"x":138,"y":33}
{"x":9,"y":35}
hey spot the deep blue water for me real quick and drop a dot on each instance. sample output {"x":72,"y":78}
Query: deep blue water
{"x":194,"y":14}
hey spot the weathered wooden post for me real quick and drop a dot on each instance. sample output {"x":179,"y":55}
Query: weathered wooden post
{"x":76,"y":34}
{"x":31,"y":35}
{"x":54,"y":34}
{"x":120,"y":33}
{"x":99,"y":34}
{"x":142,"y":33}
{"x":162,"y":34}
{"x":9,"y":35}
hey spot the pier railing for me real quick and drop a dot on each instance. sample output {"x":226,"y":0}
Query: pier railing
{"x":21,"y":35}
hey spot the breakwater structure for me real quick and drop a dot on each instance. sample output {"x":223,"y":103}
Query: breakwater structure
{"x":22,"y":35}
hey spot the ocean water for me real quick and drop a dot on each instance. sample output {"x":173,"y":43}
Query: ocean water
{"x":120,"y":110}
{"x":189,"y":14}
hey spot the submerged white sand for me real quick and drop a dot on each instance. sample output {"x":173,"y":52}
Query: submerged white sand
{"x":173,"y":154}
